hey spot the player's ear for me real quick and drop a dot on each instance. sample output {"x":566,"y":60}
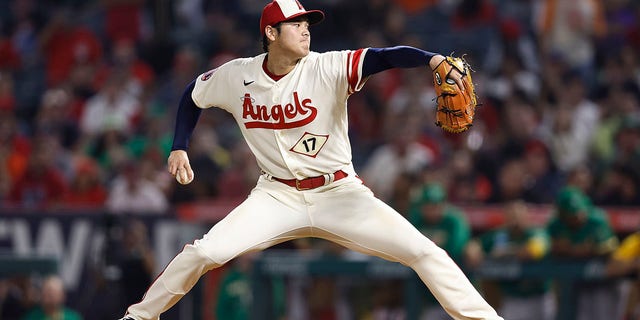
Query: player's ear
{"x":270,"y":32}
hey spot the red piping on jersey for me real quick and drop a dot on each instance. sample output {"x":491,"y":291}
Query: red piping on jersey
{"x":352,"y":69}
{"x":349,"y":73}
{"x":271,"y":75}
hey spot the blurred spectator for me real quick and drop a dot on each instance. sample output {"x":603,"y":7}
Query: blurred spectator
{"x":567,"y":28}
{"x":190,"y":16}
{"x":403,"y":187}
{"x":110,"y":150}
{"x":516,"y":37}
{"x":618,"y":102}
{"x":403,"y":154}
{"x":318,"y":298}
{"x":15,"y":147}
{"x":446,"y":226}
{"x":234,"y":294}
{"x":5,"y":178}
{"x":568,"y":126}
{"x":517,"y":239}
{"x":123,"y":19}
{"x":627,"y":143}
{"x":151,"y":145}
{"x":581,"y":178}
{"x":542,"y":181}
{"x":620,"y":186}
{"x":42,"y":185}
{"x":9,"y":58}
{"x":625,"y":261}
{"x":519,"y":122}
{"x":55,"y":117}
{"x":23,"y":26}
{"x":7,"y":97}
{"x":130,"y":192}
{"x":153,"y":168}
{"x":472,"y":12}
{"x":184,"y":68}
{"x":581,"y":231}
{"x":151,"y":138}
{"x":137,"y":75}
{"x":415,"y":97}
{"x":629,"y":56}
{"x":18,"y":294}
{"x":237,"y":180}
{"x":113,"y":108}
{"x":512,"y":79}
{"x":52,"y":303}
{"x":26,"y":19}
{"x":120,"y":270}
{"x":473,"y":23}
{"x":468,"y":185}
{"x":622,"y":22}
{"x":510,"y":181}
{"x":210,"y":159}
{"x":86,"y":188}
{"x":388,"y":301}
{"x":67,"y":45}
{"x":136,"y":261}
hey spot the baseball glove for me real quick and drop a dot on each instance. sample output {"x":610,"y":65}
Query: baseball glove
{"x":455,"y":107}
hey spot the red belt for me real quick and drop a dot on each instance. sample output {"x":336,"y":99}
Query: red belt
{"x":313,"y":182}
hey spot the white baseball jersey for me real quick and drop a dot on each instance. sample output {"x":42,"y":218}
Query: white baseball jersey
{"x":297,"y":127}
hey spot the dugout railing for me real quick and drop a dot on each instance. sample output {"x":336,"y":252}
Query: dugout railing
{"x":564,"y":273}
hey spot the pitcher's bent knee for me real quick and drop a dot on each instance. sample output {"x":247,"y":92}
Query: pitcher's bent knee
{"x":186,"y":268}
{"x":425,"y":249}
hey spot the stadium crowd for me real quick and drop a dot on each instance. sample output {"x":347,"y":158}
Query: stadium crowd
{"x":89,"y":91}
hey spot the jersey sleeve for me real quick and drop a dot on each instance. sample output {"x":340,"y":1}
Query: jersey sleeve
{"x":342,"y":70}
{"x":354,"y":64}
{"x":211,"y":86}
{"x":380,"y":59}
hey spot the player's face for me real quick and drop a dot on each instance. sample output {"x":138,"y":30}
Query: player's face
{"x":295,"y":38}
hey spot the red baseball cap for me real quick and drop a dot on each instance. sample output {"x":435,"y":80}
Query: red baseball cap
{"x":282,"y":10}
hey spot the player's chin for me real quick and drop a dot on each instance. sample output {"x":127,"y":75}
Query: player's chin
{"x":305,"y":47}
{"x":302,"y":53}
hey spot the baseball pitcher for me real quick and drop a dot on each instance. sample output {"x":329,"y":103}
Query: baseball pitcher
{"x":291,"y":106}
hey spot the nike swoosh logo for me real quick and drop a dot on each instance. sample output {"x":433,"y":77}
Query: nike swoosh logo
{"x":246,"y":83}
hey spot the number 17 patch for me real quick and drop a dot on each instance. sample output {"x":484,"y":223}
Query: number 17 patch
{"x":310,"y":144}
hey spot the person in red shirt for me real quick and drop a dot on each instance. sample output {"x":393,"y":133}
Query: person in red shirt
{"x":9,"y":58}
{"x":123,"y":58}
{"x":42,"y":184}
{"x":66,"y":46}
{"x":123,"y":19}
{"x":85,"y":189}
{"x":14,"y":148}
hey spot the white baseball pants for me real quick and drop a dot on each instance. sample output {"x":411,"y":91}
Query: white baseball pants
{"x":345,"y":212}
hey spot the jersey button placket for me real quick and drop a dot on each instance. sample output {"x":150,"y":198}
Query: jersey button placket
{"x":276,"y":93}
{"x":284,"y":152}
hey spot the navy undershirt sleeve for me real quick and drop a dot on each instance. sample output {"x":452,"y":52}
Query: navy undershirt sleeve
{"x":380,"y":59}
{"x":186,"y":119}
